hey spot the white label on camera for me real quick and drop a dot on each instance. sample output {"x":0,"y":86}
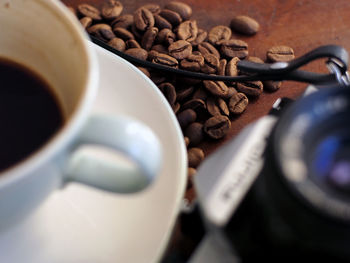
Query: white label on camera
{"x":234,"y":183}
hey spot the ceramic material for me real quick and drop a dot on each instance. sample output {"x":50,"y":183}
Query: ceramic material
{"x":44,"y":36}
{"x":83,"y":224}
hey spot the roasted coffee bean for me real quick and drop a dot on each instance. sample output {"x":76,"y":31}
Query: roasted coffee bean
{"x":196,"y":52}
{"x":185,"y":93}
{"x":184,"y":10}
{"x":143,"y":19}
{"x":149,"y":38}
{"x":187,"y":141}
{"x":234,"y":48}
{"x":158,"y":77}
{"x":111,"y":9}
{"x":123,"y":33}
{"x":192,"y":62}
{"x":280,"y":54}
{"x":161,"y":22}
{"x":238,"y":103}
{"x":217,"y":88}
{"x":231,"y":91}
{"x":219,"y":33}
{"x":139,"y":53}
{"x":201,"y":37}
{"x":217,"y":106}
{"x":136,"y":32}
{"x":194,"y":104}
{"x":250,"y":88}
{"x":171,"y":16}
{"x":145,"y":71}
{"x":176,"y":107}
{"x":222,"y":67}
{"x":195,"y":133}
{"x":191,"y":172}
{"x":169,"y":92}
{"x":117,"y":43}
{"x":217,"y":126}
{"x":187,"y":81}
{"x":245,"y":25}
{"x":86,"y":21}
{"x":231,"y":68}
{"x":166,"y":37}
{"x":132,"y":43}
{"x":223,"y":106}
{"x":180,"y":49}
{"x":154,"y":8}
{"x":89,"y":11}
{"x":165,"y":60}
{"x":101,"y":31}
{"x":188,"y":30}
{"x":207,"y":48}
{"x":255,"y":59}
{"x":152,"y":54}
{"x":195,"y":157}
{"x":186,"y":117}
{"x":211,"y":64}
{"x":200,"y":93}
{"x":271,"y":86}
{"x":124,"y":21}
{"x":160,"y":48}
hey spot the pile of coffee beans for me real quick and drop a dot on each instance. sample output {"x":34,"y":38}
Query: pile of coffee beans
{"x":168,"y":36}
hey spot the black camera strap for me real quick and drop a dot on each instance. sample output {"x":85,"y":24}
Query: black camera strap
{"x":337,"y":64}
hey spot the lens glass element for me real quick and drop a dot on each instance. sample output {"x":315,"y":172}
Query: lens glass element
{"x":331,"y":161}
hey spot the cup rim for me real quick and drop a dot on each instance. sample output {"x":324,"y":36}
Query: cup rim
{"x":71,"y":126}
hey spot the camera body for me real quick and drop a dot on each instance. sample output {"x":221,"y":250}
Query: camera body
{"x":280,"y":189}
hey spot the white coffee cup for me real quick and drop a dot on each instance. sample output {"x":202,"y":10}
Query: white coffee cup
{"x":44,"y":36}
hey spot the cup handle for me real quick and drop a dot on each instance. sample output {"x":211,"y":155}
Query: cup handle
{"x":121,"y":134}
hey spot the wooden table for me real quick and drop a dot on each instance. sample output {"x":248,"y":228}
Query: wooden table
{"x":300,"y":24}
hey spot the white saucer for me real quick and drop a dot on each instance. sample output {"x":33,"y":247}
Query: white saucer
{"x":81,"y":224}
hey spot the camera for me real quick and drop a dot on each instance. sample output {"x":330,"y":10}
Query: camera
{"x":280,"y":191}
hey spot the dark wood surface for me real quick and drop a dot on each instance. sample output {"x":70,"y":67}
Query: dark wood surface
{"x":300,"y":24}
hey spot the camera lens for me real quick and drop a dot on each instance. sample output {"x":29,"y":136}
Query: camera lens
{"x":299,"y":203}
{"x":298,"y":209}
{"x":312,"y":150}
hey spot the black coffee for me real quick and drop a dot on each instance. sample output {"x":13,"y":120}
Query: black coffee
{"x":29,"y":113}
